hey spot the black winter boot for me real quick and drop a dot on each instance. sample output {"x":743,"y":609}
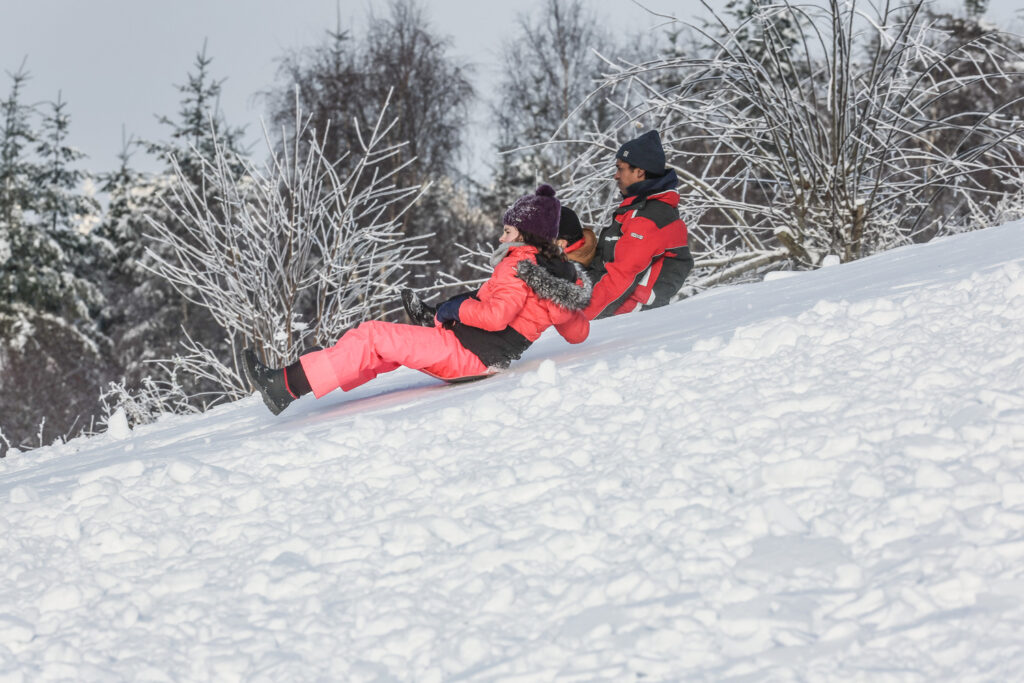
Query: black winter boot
{"x":419,"y":312}
{"x":270,"y":382}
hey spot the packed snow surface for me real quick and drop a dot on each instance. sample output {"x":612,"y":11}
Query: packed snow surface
{"x":819,"y":478}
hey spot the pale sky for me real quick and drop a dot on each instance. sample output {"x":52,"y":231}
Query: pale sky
{"x":116,"y":62}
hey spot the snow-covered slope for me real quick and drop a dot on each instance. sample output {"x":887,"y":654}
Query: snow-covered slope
{"x":818,"y":478}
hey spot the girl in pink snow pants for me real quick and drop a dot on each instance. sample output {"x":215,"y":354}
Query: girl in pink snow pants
{"x":532,"y":287}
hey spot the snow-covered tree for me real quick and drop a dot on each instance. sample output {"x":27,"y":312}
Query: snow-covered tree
{"x":145,"y":314}
{"x":975,"y":8}
{"x":200,"y":125}
{"x":52,"y":355}
{"x":65,"y":212}
{"x":16,"y":167}
{"x":766,"y":33}
{"x":58,"y":181}
{"x":550,"y":66}
{"x":399,"y":59}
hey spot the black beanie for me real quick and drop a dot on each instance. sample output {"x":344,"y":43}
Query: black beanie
{"x":644,"y":152}
{"x":569,"y":227}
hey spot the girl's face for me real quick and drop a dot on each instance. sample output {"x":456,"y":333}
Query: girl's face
{"x":510,"y":234}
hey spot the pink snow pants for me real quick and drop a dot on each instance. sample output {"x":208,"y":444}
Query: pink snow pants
{"x":375,"y":347}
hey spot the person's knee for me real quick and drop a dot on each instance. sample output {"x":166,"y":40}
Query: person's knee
{"x":368,"y":329}
{"x":379,"y":334}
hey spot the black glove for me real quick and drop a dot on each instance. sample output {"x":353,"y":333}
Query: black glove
{"x":449,"y":310}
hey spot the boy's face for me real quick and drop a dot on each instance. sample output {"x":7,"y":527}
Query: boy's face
{"x":626,"y":175}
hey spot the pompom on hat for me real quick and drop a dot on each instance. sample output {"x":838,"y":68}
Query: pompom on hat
{"x":537,"y":213}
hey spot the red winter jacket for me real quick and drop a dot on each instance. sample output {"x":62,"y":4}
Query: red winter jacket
{"x":521,"y":299}
{"x":642,"y":258}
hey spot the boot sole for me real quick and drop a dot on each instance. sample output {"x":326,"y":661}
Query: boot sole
{"x":407,"y":304}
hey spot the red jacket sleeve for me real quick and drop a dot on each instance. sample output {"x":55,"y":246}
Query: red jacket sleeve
{"x":633,"y":254}
{"x":498,"y":302}
{"x":575,"y":329}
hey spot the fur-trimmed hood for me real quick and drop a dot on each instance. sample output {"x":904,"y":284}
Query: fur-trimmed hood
{"x":572,"y":295}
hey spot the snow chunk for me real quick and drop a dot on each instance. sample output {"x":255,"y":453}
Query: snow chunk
{"x":182,"y":472}
{"x":959,"y":591}
{"x":23,"y":494}
{"x":1015,"y":288}
{"x":180,"y":582}
{"x":1013,"y":494}
{"x":605,"y":396}
{"x":773,"y":275}
{"x":708,"y":345}
{"x":15,"y":630}
{"x":929,"y":476}
{"x":926,"y":447}
{"x":68,"y":527}
{"x":764,"y":340}
{"x":548,"y":372}
{"x":799,"y":472}
{"x":867,"y":486}
{"x":778,"y":512}
{"x":119,"y":471}
{"x":117,"y":425}
{"x":61,"y":598}
{"x":879,"y":312}
{"x":250,"y":501}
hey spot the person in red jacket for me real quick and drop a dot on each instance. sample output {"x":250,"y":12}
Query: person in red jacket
{"x":578,"y":243}
{"x":532,"y":288}
{"x":643,"y":257}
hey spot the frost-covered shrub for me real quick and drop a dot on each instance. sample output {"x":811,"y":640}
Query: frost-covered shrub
{"x":146,"y":403}
{"x":1007,"y":209}
{"x":287,"y":255}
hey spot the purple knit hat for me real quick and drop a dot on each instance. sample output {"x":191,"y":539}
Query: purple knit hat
{"x":537,"y":213}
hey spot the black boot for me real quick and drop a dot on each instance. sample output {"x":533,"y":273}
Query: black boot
{"x":270,"y":382}
{"x":419,"y":312}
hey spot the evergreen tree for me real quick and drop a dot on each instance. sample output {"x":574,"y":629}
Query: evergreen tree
{"x":66,"y":216}
{"x":769,"y":32}
{"x":49,"y":264}
{"x":15,"y":167}
{"x":550,"y":69}
{"x":146,"y":315}
{"x":129,"y":195}
{"x":57,"y":179}
{"x":118,"y":186}
{"x":343,"y":85}
{"x":324,"y":83}
{"x":200,"y":123}
{"x":52,"y":356}
{"x":975,"y":8}
{"x":16,"y":172}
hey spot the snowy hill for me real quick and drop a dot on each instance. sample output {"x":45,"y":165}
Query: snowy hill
{"x":819,"y":477}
